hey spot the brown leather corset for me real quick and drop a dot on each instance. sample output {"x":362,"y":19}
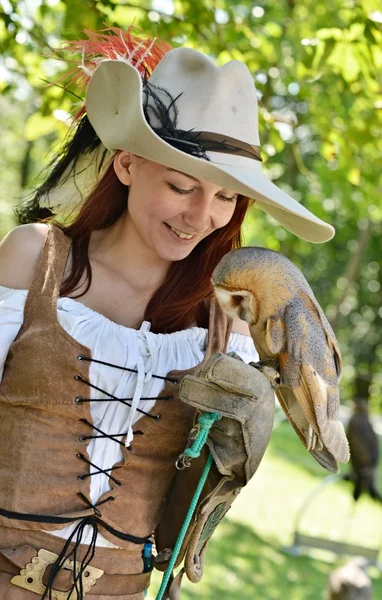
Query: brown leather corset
{"x":42,"y":421}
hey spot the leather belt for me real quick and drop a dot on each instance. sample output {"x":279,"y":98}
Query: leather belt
{"x":36,"y":568}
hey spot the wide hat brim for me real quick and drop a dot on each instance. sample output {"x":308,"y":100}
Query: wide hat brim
{"x":114,"y":105}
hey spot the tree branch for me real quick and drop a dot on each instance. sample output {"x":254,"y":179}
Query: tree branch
{"x":352,"y":270}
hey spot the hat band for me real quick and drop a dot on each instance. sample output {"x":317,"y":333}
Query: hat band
{"x":216,"y":142}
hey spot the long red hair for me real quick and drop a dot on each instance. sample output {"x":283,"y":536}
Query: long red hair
{"x":182,"y":300}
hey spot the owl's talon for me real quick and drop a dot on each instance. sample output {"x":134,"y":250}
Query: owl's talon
{"x":269,"y":368}
{"x":235,"y":355}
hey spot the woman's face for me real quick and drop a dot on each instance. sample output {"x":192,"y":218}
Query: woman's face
{"x":169,"y":211}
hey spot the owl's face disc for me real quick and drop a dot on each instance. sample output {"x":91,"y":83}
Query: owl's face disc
{"x":237,"y":303}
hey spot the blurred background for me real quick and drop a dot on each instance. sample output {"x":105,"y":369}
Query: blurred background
{"x":317,"y":67}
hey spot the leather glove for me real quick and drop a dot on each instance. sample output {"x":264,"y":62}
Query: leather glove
{"x":245,"y":399}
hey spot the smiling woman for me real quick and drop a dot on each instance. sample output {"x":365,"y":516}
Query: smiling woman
{"x":154,"y":201}
{"x":167,"y":276}
{"x":112,"y":313}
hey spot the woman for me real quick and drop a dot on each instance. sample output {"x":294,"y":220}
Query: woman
{"x":89,"y":399}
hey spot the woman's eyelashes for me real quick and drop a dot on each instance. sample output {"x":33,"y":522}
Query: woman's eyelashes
{"x":177,"y":190}
{"x":228,"y":198}
{"x":180,"y":191}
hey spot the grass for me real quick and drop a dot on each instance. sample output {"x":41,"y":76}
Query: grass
{"x":245,"y":559}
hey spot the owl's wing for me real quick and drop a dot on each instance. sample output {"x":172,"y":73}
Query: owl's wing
{"x":330,"y":337}
{"x":302,"y":427}
{"x":296,"y":401}
{"x":309,"y":393}
{"x":300,"y":406}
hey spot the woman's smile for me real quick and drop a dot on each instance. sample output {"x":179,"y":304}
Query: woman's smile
{"x":181,"y":235}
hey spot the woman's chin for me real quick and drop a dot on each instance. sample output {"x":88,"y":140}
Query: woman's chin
{"x":175,"y":254}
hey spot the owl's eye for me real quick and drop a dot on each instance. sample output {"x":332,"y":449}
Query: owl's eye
{"x":236,"y":300}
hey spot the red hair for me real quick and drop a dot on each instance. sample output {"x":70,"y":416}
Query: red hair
{"x":182,"y":300}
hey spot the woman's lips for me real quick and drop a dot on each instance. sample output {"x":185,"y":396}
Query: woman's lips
{"x":180,"y":235}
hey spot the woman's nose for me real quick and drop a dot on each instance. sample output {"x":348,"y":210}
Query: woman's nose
{"x":198,"y":214}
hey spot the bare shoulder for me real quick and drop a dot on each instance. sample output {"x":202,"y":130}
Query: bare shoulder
{"x":19,"y":253}
{"x":239,"y":326}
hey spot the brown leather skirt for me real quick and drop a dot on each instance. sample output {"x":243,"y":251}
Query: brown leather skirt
{"x":122,"y":578}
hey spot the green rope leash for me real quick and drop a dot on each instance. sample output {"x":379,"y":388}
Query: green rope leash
{"x":206,"y":421}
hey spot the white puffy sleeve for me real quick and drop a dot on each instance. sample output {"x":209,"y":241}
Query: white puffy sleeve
{"x":243,"y":346}
{"x":12,"y":304}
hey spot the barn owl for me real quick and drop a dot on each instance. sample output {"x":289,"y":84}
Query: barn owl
{"x":289,"y":329}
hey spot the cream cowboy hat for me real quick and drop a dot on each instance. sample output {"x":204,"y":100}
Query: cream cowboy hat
{"x":218,"y":105}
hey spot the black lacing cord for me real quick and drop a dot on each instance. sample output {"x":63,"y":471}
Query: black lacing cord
{"x":80,"y":399}
{"x":105,"y":471}
{"x":67,"y":520}
{"x":84,"y":438}
{"x":30,"y":517}
{"x":78,"y":531}
{"x":113,"y":437}
{"x":127,"y":537}
{"x":88,"y":557}
{"x":111,"y":397}
{"x":124,"y":400}
{"x":82,"y":357}
{"x":95,"y":506}
{"x":77,"y":585}
{"x":104,"y":435}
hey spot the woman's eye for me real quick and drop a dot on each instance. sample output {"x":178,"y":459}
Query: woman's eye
{"x":178,"y":190}
{"x":226,"y":199}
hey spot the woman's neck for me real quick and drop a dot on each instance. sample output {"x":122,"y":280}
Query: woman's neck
{"x":121,"y":251}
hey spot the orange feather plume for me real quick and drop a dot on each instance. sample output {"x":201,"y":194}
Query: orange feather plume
{"x":132,"y":46}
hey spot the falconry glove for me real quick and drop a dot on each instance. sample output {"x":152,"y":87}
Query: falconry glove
{"x":237,"y":442}
{"x":245,"y":399}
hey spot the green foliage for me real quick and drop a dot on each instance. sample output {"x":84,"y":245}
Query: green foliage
{"x":317,"y":68}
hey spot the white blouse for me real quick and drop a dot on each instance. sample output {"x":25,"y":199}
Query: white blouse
{"x":148,"y":353}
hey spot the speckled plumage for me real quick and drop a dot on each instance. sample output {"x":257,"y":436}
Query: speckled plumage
{"x":270,"y":293}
